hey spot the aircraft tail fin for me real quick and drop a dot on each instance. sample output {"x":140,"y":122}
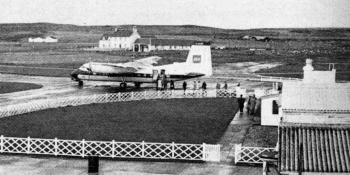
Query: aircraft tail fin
{"x":199,"y":59}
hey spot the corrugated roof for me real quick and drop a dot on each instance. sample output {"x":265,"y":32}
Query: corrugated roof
{"x":165,"y":42}
{"x":321,"y":148}
{"x":119,"y":33}
{"x":304,"y":97}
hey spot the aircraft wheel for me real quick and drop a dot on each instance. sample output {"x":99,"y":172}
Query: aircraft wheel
{"x":80,"y":83}
{"x":137,"y":85}
{"x":123,"y":85}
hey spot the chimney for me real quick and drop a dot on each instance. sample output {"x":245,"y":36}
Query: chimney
{"x":134,"y":29}
{"x":308,"y":68}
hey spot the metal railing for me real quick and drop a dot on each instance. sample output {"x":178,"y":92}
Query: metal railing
{"x":245,"y":154}
{"x":110,"y":149}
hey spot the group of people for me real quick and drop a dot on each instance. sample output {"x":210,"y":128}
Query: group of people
{"x":197,"y":85}
{"x":218,"y":85}
{"x":253,"y":105}
{"x":163,"y":85}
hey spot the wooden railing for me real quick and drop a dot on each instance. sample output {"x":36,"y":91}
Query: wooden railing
{"x":110,"y":149}
{"x":246,"y":154}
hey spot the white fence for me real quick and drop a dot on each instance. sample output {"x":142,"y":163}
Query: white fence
{"x":264,"y":78}
{"x":37,"y":105}
{"x":275,"y":79}
{"x":244,"y":154}
{"x":110,"y":149}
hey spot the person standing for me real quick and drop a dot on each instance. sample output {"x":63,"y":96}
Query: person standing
{"x":252,"y":105}
{"x":241,"y":103}
{"x":218,"y":86}
{"x":159,"y":83}
{"x":204,"y":88}
{"x":172,"y":85}
{"x":184,"y":86}
{"x":194,"y":85}
{"x":225,"y":86}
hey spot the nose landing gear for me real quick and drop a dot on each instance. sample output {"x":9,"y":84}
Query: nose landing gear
{"x":80,"y":83}
{"x":123,"y":86}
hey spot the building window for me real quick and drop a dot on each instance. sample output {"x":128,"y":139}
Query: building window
{"x":274,"y":107}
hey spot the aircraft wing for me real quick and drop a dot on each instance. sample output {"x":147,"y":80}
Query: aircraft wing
{"x":141,"y":63}
{"x":129,"y":67}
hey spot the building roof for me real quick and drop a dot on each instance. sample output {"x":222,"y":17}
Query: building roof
{"x":119,"y":33}
{"x":270,"y":96}
{"x":321,"y":148}
{"x":306,"y":97}
{"x":165,"y":42}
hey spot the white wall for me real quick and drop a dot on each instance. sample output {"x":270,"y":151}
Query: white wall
{"x":267,"y":118}
{"x":119,"y":42}
{"x":241,"y":91}
{"x":42,"y":40}
{"x":320,"y":118}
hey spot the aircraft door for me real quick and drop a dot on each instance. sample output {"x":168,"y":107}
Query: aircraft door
{"x":155,"y":75}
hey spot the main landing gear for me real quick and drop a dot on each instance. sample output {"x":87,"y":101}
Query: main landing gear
{"x":137,"y":85}
{"x":123,"y":86}
{"x":80,"y":83}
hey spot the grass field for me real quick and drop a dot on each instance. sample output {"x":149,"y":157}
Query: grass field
{"x":176,"y":120}
{"x":45,"y":63}
{"x":261,"y":136}
{"x":7,"y":87}
{"x":290,"y":47}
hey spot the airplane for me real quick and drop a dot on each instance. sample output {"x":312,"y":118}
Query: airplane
{"x":198,"y":64}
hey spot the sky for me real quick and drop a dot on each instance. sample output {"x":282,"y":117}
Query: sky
{"x":232,"y":14}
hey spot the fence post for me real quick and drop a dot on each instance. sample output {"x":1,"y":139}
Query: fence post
{"x":143,"y":149}
{"x":56,"y":147}
{"x":172,"y":150}
{"x":106,"y":97}
{"x":28,"y":145}
{"x":238,"y":148}
{"x":204,"y":152}
{"x":132,"y":95}
{"x":144,"y":94}
{"x":83,"y":148}
{"x":113,"y":149}
{"x":2,"y":144}
{"x":119,"y":96}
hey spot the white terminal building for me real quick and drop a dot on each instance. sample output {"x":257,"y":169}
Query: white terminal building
{"x":120,"y":39}
{"x":313,"y":119}
{"x":48,"y":39}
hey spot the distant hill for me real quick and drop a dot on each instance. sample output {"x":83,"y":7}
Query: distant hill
{"x":75,"y":33}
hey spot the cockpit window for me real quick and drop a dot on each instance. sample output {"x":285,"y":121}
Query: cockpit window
{"x":84,"y":67}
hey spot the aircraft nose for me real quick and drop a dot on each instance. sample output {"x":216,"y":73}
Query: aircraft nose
{"x":74,"y":75}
